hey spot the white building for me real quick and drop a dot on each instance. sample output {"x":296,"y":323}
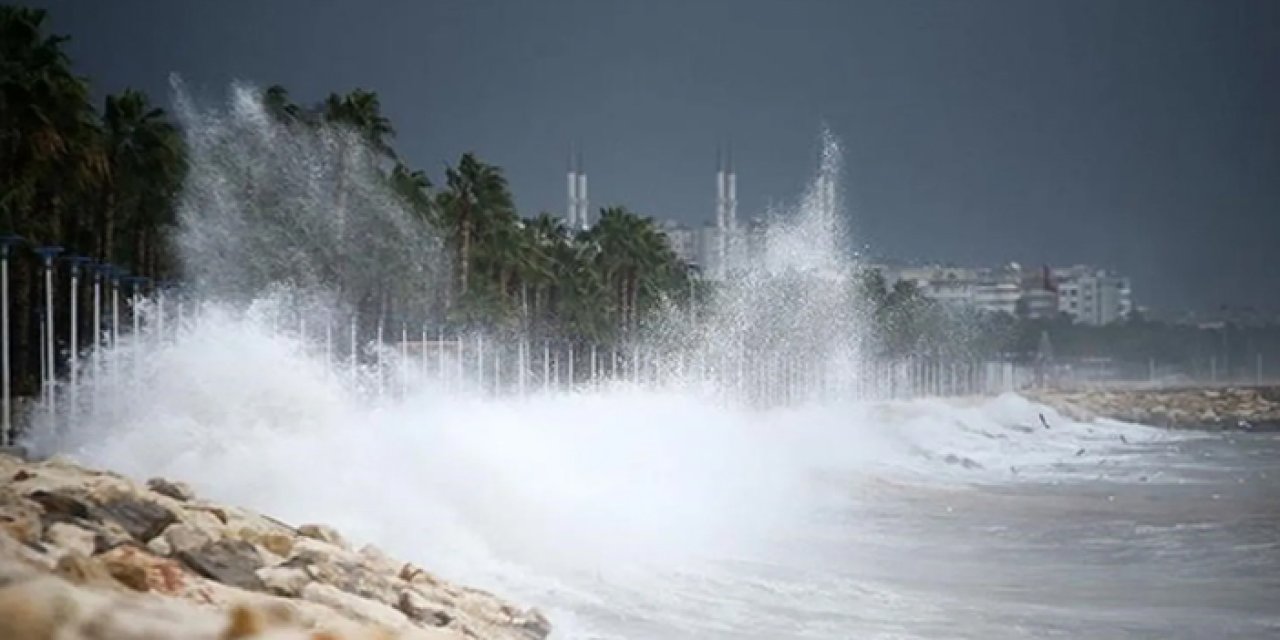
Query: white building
{"x":1086,"y":294}
{"x":1093,"y":296}
{"x":684,"y":241}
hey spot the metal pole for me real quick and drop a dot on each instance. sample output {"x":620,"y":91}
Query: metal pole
{"x":462,"y":368}
{"x":6,"y":427}
{"x":497,"y":369}
{"x":480,"y":362}
{"x":520,"y":368}
{"x":440,"y":356}
{"x":378,"y":360}
{"x":115,"y":316}
{"x":74,"y":351}
{"x":50,"y":369}
{"x":353,"y":343}
{"x":44,"y":363}
{"x":98,"y":334}
{"x":328,"y":345}
{"x":546,"y":366}
{"x":159,"y":293}
{"x":136,"y":301}
{"x":404,"y":360}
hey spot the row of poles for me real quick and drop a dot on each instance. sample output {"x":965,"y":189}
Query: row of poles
{"x":112,"y":275}
{"x":395,"y":364}
{"x":763,"y":377}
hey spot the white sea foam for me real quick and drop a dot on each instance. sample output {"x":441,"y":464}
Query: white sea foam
{"x":581,"y":502}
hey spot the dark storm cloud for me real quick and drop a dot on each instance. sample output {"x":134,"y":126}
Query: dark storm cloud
{"x":1143,"y":136}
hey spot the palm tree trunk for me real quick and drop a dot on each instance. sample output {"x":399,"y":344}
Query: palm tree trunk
{"x":634,"y":291}
{"x":106,"y":236}
{"x":464,"y":262}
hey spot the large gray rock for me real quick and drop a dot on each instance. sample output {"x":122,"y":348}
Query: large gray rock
{"x":179,"y":491}
{"x":184,"y":537}
{"x":142,"y":518}
{"x":232,"y":562}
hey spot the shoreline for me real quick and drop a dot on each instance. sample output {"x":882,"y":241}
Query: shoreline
{"x":98,"y":556}
{"x":1226,"y":408}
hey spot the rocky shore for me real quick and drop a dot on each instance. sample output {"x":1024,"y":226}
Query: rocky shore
{"x":92,"y":555}
{"x":1233,"y":408}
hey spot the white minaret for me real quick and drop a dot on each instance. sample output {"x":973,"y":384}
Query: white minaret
{"x":731,"y":211}
{"x":572,"y":217}
{"x":828,"y":196}
{"x":722,"y":212}
{"x":584,"y":203}
{"x":731,"y":195}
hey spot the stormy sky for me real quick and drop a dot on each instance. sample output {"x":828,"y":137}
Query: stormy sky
{"x":1142,"y":136}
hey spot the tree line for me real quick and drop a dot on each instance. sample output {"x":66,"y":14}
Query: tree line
{"x":103,"y":182}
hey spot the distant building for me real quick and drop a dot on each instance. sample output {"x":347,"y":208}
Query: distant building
{"x":684,"y":240}
{"x":1088,"y":295}
{"x":1093,"y":296}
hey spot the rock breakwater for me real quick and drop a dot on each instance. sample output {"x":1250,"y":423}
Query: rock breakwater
{"x":87,"y":555}
{"x":1239,"y":408}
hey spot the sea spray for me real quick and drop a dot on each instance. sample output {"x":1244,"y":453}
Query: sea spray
{"x":590,"y":501}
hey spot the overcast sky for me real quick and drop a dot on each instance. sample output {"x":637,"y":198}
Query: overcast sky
{"x":1140,"y":136}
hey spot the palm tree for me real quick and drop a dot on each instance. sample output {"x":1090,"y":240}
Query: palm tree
{"x":146,"y":157}
{"x":277,"y":102}
{"x":635,"y":261}
{"x":46,"y":123}
{"x":546,"y":242}
{"x":362,"y":111}
{"x":414,"y":189}
{"x":475,"y":198}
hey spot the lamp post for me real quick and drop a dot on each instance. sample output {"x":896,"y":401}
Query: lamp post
{"x":73,"y":353}
{"x":135,"y":301}
{"x":6,"y":426}
{"x":117,"y":274}
{"x":47,"y":254}
{"x":158,"y":289}
{"x":99,"y":271}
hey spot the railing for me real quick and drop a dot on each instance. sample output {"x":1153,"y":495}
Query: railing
{"x":386,"y":361}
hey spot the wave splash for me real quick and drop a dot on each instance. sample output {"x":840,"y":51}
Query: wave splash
{"x":549,"y":495}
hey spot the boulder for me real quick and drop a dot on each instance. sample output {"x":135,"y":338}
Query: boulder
{"x":278,"y":543}
{"x":378,"y":561}
{"x":414,"y":574}
{"x":232,"y":562}
{"x":64,"y":504}
{"x":323,"y":533}
{"x":179,"y":491}
{"x":184,"y":537}
{"x":355,"y":607}
{"x":20,"y":518}
{"x":142,"y":518}
{"x":71,"y":537}
{"x":142,"y":571}
{"x":285,"y":580}
{"x":343,"y":569}
{"x":78,"y":568}
{"x":160,"y":547}
{"x":421,"y":610}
